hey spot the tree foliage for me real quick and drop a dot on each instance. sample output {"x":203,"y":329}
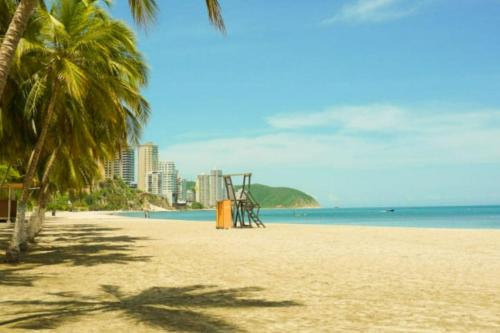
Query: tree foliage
{"x":197,"y":205}
{"x":109,"y":195}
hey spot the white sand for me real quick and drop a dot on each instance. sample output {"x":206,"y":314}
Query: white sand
{"x":98,"y":273}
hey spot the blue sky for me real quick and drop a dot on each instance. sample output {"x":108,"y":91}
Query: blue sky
{"x":358,"y":103}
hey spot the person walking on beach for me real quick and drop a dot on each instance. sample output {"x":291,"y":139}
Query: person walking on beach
{"x":146,"y":209}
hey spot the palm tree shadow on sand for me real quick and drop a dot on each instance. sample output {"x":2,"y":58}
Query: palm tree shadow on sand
{"x":67,"y":244}
{"x":70,"y":244}
{"x":178,"y":309}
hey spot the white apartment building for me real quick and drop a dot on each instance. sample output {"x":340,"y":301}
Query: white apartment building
{"x":147,"y":158}
{"x":190,"y":196}
{"x":210,"y":188}
{"x":216,"y":187}
{"x":122,"y":166}
{"x":203,"y":190}
{"x":181,"y":189}
{"x":154,"y":182}
{"x":169,"y":180}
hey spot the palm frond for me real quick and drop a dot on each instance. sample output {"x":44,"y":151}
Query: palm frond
{"x":215,"y":14}
{"x":143,"y":11}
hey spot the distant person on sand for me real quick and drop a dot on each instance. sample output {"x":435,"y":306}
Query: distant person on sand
{"x":146,"y":208}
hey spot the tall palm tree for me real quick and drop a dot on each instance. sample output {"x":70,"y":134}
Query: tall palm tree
{"x":143,"y":12}
{"x":70,"y":165}
{"x":16,"y":133}
{"x":87,"y":70}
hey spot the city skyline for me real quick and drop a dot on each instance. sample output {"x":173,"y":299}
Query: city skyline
{"x":161,"y":177}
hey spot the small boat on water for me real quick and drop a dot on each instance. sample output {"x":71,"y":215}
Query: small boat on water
{"x":389,"y":210}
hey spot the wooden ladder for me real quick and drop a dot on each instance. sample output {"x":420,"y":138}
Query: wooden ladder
{"x":255,"y":218}
{"x":253,"y":209}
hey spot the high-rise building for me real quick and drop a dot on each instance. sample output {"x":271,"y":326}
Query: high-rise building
{"x":109,"y":169}
{"x":203,"y":190}
{"x":122,"y":166}
{"x":216,"y":187}
{"x":190,"y":196}
{"x":147,"y":158}
{"x":210,"y":188}
{"x":169,"y":180}
{"x":154,"y":182}
{"x":181,"y":189}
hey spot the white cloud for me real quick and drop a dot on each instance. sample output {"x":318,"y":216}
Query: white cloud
{"x":362,"y":11}
{"x":372,"y":117}
{"x":353,"y":137}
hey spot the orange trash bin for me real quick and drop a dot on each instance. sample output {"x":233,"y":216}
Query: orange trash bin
{"x":224,"y":218}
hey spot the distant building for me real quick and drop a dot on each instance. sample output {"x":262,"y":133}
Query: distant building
{"x":210,"y":188}
{"x":154,"y":182}
{"x":181,"y":189}
{"x":203,"y":190}
{"x":109,"y":169}
{"x":147,"y":158}
{"x":169,"y":180}
{"x":123,"y":166}
{"x":216,"y":187}
{"x":190,"y":196}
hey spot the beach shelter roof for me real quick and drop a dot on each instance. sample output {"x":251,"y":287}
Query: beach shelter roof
{"x":12,"y":186}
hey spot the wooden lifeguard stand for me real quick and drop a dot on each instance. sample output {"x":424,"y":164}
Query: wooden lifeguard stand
{"x":8,"y":207}
{"x":244,"y":208}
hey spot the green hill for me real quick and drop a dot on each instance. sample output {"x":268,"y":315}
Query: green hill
{"x":281,"y":197}
{"x":277,"y":197}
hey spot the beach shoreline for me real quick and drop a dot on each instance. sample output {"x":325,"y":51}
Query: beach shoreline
{"x":467,"y":217}
{"x":150,"y":276}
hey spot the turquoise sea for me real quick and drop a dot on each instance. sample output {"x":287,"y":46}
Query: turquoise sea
{"x":468,"y":217}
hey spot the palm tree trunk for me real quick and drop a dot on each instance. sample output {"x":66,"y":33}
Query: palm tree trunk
{"x":19,"y":236}
{"x":12,"y":37}
{"x":41,"y":210}
{"x":36,"y":220}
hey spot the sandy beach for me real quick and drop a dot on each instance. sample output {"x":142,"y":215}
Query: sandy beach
{"x":98,"y":273}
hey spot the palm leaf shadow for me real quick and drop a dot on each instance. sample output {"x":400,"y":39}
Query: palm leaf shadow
{"x":179,"y":308}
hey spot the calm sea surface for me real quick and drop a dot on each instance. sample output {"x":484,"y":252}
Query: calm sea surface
{"x":470,"y":217}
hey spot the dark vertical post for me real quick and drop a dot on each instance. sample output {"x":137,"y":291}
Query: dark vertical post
{"x":8,"y":205}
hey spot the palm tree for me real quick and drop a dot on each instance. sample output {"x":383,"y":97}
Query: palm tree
{"x":143,"y":12}
{"x":87,"y":70}
{"x":16,"y":133}
{"x":69,"y":165}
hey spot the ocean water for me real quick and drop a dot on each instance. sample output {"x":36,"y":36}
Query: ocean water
{"x":468,"y":217}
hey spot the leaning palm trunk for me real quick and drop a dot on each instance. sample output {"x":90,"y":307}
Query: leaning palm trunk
{"x":12,"y":37}
{"x":41,"y":216}
{"x":19,"y":239}
{"x":36,"y":220}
